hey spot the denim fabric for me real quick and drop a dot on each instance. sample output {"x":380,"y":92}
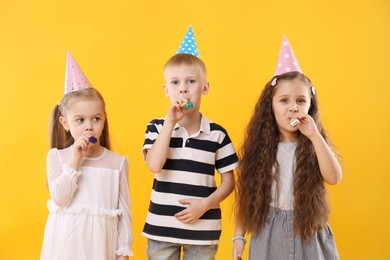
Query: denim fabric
{"x":158,"y":250}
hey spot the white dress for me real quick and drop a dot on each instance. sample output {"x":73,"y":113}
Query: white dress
{"x":89,"y":209}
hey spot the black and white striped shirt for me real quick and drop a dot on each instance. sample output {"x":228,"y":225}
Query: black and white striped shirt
{"x":188,"y":173}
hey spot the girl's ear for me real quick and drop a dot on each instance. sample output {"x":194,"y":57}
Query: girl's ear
{"x":206,"y":88}
{"x":64,"y":123}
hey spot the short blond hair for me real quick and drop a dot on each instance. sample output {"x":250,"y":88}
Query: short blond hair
{"x":186,"y":59}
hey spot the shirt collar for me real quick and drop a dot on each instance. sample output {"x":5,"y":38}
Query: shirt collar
{"x":204,"y":125}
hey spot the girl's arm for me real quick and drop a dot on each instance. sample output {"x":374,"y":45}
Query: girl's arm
{"x":329,"y":165}
{"x":62,"y":181}
{"x":125,"y":229}
{"x":197,"y":207}
{"x":239,"y":241}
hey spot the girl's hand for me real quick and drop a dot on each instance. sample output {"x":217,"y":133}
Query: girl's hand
{"x":80,"y":147}
{"x":196,"y":208}
{"x":238,"y":249}
{"x":123,"y":258}
{"x":307,"y":126}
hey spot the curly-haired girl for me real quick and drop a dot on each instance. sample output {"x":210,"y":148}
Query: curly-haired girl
{"x":286,"y":158}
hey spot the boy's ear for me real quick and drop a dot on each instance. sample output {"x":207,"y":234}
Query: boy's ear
{"x":64,"y":123}
{"x":206,"y":87}
{"x":165,"y":90}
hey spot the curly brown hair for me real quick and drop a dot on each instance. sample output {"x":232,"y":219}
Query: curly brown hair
{"x":258,"y":159}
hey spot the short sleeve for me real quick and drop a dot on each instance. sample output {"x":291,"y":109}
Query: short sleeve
{"x":152,"y":131}
{"x":226,"y":158}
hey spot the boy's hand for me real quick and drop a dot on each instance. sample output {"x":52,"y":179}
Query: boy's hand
{"x":196,"y":208}
{"x":176,"y":111}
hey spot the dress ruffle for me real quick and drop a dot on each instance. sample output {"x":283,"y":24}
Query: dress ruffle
{"x":53,"y":208}
{"x":124,"y":251}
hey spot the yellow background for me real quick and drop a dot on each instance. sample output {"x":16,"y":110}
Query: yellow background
{"x":122,"y":45}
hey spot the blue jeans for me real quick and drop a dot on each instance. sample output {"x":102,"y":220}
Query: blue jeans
{"x":158,"y":250}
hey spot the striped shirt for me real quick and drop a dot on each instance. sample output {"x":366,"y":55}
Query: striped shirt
{"x":188,"y":173}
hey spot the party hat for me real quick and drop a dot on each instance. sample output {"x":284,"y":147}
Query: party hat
{"x":286,"y":60}
{"x":74,"y":77}
{"x":188,"y":45}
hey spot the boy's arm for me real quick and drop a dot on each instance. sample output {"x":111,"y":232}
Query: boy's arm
{"x":157,"y":155}
{"x":197,"y":207}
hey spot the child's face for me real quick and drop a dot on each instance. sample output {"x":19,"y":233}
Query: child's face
{"x":84,"y":117}
{"x":185,"y":83}
{"x":291,"y":99}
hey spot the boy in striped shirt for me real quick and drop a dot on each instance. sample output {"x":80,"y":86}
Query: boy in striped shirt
{"x":183,"y":150}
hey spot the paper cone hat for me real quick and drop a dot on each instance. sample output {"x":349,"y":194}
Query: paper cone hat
{"x":286,"y":60}
{"x":74,"y":77}
{"x":188,"y":45}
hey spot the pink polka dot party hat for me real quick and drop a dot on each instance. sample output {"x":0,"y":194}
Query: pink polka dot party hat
{"x":286,"y":61}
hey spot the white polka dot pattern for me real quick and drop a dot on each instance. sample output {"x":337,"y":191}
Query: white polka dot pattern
{"x":286,"y":61}
{"x":188,"y":45}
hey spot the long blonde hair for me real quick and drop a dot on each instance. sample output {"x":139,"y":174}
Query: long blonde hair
{"x":58,"y":137}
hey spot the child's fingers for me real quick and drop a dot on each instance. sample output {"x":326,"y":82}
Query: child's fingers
{"x":82,"y":143}
{"x":238,"y":250}
{"x":175,"y":109}
{"x":184,"y":216}
{"x":181,"y":213}
{"x":177,"y":105}
{"x":184,"y":201}
{"x":301,"y":117}
{"x":85,"y":145}
{"x":304,"y":118}
{"x":186,"y":220}
{"x":237,"y":254}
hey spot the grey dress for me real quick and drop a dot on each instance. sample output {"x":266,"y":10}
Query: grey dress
{"x":277,"y":239}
